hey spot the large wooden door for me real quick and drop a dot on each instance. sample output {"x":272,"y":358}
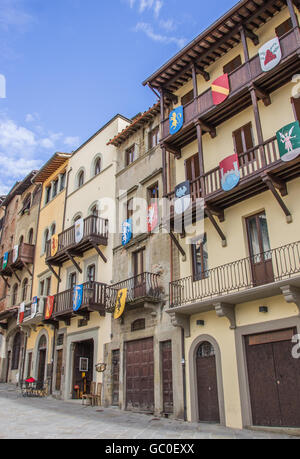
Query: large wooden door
{"x":115,"y":377}
{"x":83,"y":379}
{"x":167,"y":376}
{"x":59,"y":363}
{"x":41,"y":366}
{"x":140,"y":375}
{"x":260,"y":250}
{"x":274,"y":379}
{"x":207,"y":384}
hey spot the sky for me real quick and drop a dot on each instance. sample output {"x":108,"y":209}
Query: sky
{"x":69,"y":66}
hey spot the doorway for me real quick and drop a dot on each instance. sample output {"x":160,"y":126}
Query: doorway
{"x":83,"y":368}
{"x":42,"y":354}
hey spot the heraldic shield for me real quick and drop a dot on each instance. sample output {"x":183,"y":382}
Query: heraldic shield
{"x":229,"y":172}
{"x":288,"y":139}
{"x":77,"y":297}
{"x":120,"y":303}
{"x":176,"y":120}
{"x":270,"y":55}
{"x":220,"y":89}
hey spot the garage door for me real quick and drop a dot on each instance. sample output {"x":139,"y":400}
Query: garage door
{"x":274,"y":379}
{"x":140,"y":375}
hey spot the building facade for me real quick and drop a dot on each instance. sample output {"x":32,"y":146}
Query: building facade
{"x":233,"y":128}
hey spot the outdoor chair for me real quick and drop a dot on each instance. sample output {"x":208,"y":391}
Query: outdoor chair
{"x":91,"y":395}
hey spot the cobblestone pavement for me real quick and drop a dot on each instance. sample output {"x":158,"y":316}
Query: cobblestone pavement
{"x":30,"y":418}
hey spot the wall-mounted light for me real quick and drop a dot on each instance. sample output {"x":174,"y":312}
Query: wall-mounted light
{"x":200,"y":323}
{"x":263,"y":309}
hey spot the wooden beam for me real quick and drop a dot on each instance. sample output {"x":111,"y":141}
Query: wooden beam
{"x":5,"y":281}
{"x":278,"y":198}
{"x":278,"y":183}
{"x":169,"y":95}
{"x":177,"y":244}
{"x":217,"y":212}
{"x":54,"y":272}
{"x":173,"y":150}
{"x":100,"y":253}
{"x":199,"y":69}
{"x":208,"y":128}
{"x":261,"y":94}
{"x":216,"y":226}
{"x":27,"y":269}
{"x":73,"y":261}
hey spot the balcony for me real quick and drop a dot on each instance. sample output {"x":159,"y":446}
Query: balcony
{"x":248,"y":279}
{"x":34,"y":316}
{"x":94,"y":300}
{"x":239,"y":99}
{"x":144,"y":288}
{"x":256,"y":167}
{"x":95,"y":233}
{"x":24,"y":258}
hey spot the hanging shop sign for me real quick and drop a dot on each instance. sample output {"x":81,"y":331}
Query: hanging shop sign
{"x":220,"y":89}
{"x":5,"y":260}
{"x":229,"y":172}
{"x":176,"y":120}
{"x":126,"y":232}
{"x":54,"y":245}
{"x":34,"y":307}
{"x":21,"y":313}
{"x":120,"y":303}
{"x":79,"y":226}
{"x":77,"y":297}
{"x":152,"y":217}
{"x":270,"y":55}
{"x":288,"y":139}
{"x":49,"y":307}
{"x":15,"y":253}
{"x":182,"y":197}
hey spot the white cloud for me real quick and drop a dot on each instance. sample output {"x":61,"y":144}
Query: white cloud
{"x":157,"y":37}
{"x":12,"y":14}
{"x":167,"y":25}
{"x":72,"y":142}
{"x":143,"y":5}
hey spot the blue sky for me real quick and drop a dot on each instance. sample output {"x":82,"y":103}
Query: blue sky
{"x":71,"y":65}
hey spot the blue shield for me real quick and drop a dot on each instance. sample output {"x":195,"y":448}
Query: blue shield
{"x":176,"y":120}
{"x":77,"y":297}
{"x":5,"y":260}
{"x":126,"y":232}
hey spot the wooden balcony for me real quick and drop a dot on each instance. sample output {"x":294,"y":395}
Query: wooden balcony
{"x":95,"y":233}
{"x":94,"y":300}
{"x":239,"y":99}
{"x":256,"y":167}
{"x":260,"y":276}
{"x":25,"y":258}
{"x":32,"y":317}
{"x":144,"y":288}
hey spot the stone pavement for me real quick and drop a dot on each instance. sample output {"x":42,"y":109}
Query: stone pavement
{"x":30,"y":418}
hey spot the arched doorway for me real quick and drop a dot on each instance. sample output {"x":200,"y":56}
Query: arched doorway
{"x":42,"y":355}
{"x":207,"y":384}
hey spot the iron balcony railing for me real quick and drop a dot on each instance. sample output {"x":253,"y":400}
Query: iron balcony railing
{"x":143,"y":286}
{"x":264,"y":268}
{"x":94,"y":297}
{"x":93,"y":226}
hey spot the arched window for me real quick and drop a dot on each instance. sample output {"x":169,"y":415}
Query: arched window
{"x":16,"y":351}
{"x":80,"y":179}
{"x":24,"y":289}
{"x":97,"y":168}
{"x":205,"y":350}
{"x":91,"y":273}
{"x":46,"y":239}
{"x":94,"y":211}
{"x":42,"y":343}
{"x":14,"y":297}
{"x":30,"y":236}
{"x":52,"y":230}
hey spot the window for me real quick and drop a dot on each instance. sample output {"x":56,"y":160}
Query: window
{"x":187,"y":98}
{"x":129,"y":208}
{"x":16,"y":351}
{"x":97,"y":166}
{"x":52,"y":230}
{"x":42,"y":287}
{"x":21,"y":240}
{"x":62,"y":181}
{"x":232,"y":65}
{"x":154,"y":137}
{"x":72,"y":280}
{"x":80,"y":179}
{"x":284,"y":28}
{"x":55,"y":188}
{"x":30,"y":236}
{"x":129,"y":155}
{"x":139,"y":324}
{"x":25,"y":289}
{"x":153,"y":193}
{"x":46,"y":239}
{"x":243,"y":139}
{"x":94,"y":211}
{"x":296,"y":108}
{"x":48,"y":286}
{"x":26,"y":205}
{"x":192,"y":168}
{"x":14,"y":297}
{"x":200,"y":258}
{"x":48,"y":194}
{"x":91,"y":273}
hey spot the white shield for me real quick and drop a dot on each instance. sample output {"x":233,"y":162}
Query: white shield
{"x":270,"y":54}
{"x":79,"y":225}
{"x":15,"y":253}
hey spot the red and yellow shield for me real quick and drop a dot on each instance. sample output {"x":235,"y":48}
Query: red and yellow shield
{"x":220,"y":89}
{"x":54,"y":245}
{"x":49,"y":307}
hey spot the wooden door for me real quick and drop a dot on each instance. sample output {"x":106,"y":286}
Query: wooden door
{"x":167,"y":376}
{"x":83,"y":379}
{"x":29,"y":364}
{"x":207,"y":385}
{"x":59,"y":363}
{"x":192,"y":168}
{"x":115,"y":377}
{"x":140,"y":375}
{"x":8,"y":365}
{"x":42,"y":363}
{"x":139,"y":277}
{"x":274,"y":379}
{"x":260,"y":250}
